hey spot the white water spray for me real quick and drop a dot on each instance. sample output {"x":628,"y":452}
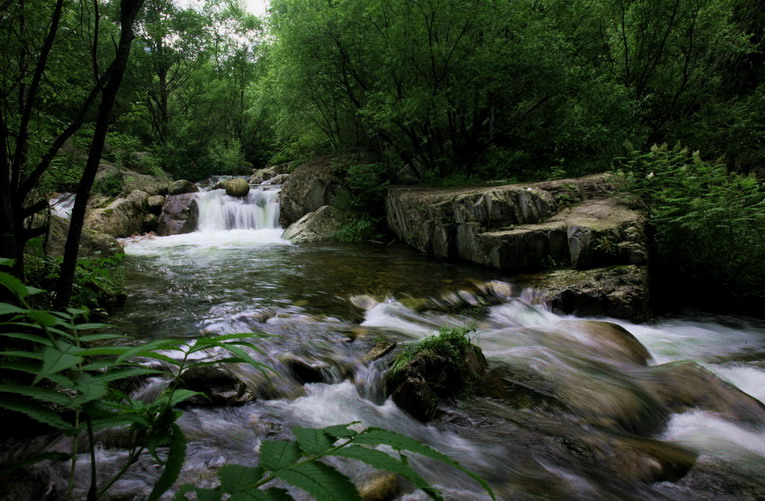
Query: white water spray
{"x":259,"y":210}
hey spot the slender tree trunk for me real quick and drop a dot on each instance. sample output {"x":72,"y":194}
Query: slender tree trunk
{"x":128,"y":11}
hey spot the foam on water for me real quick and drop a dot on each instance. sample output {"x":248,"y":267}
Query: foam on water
{"x":706,"y":433}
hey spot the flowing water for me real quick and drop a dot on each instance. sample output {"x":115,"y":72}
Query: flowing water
{"x":570,"y":417}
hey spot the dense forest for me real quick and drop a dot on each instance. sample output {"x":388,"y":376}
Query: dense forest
{"x":437,"y":92}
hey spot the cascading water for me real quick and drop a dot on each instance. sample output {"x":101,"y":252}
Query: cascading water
{"x":577,"y":423}
{"x":257,"y":211}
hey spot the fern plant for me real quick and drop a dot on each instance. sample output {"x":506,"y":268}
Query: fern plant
{"x":60,"y":370}
{"x":298,"y":463}
{"x":54,"y":372}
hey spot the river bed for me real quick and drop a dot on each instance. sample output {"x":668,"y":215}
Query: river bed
{"x":328,"y":304}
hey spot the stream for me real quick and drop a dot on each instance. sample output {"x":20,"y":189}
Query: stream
{"x":569,"y":420}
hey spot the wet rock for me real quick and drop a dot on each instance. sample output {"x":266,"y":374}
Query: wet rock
{"x":608,"y":340}
{"x":121,"y":218}
{"x":218,"y":384}
{"x":236,"y":187}
{"x":152,"y":185}
{"x":317,"y":226}
{"x":438,"y":371}
{"x":383,"y":487}
{"x":180,"y":214}
{"x":615,"y":291}
{"x":646,"y":460}
{"x":686,"y":385}
{"x":304,"y":371}
{"x":150,"y":222}
{"x":181,"y":187}
{"x":310,"y":186}
{"x":261,"y":175}
{"x":378,"y":351}
{"x":155,"y":203}
{"x":92,"y":243}
{"x":415,"y":396}
{"x":278,"y":179}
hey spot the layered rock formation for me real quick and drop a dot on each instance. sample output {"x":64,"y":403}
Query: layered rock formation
{"x":565,"y":224}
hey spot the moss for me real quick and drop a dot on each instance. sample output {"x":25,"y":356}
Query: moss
{"x":450,"y":343}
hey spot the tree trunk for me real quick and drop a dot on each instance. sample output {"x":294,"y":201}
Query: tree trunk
{"x":128,"y":11}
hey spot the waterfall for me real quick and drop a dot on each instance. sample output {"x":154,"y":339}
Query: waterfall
{"x":257,"y":211}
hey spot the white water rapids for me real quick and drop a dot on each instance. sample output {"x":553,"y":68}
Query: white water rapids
{"x":236,"y":274}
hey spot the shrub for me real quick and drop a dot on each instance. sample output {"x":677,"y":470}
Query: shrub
{"x":708,"y":224}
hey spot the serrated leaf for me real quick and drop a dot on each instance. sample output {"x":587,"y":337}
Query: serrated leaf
{"x":117,"y":374}
{"x":312,"y":441}
{"x":62,"y":357}
{"x":383,"y":461}
{"x":320,"y":480}
{"x":43,"y":318}
{"x":91,"y":338}
{"x":10,"y":309}
{"x":90,"y":326}
{"x":36,"y":411}
{"x":235,"y":478}
{"x":379,"y":436}
{"x":278,"y":454}
{"x":175,"y":457}
{"x":41,"y":394}
{"x":15,"y":285}
{"x":341,"y":430}
{"x":29,"y":337}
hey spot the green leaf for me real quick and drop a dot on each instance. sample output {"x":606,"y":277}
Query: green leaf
{"x":320,"y":480}
{"x":9,"y":309}
{"x":312,"y":442}
{"x":117,"y":374}
{"x":379,"y":436}
{"x":36,"y":411}
{"x":15,"y":285}
{"x":41,"y":394}
{"x":341,"y":430}
{"x":179,"y":396}
{"x":29,"y":337}
{"x":54,"y":360}
{"x":91,"y":338}
{"x":235,"y":478}
{"x":175,"y":458}
{"x":91,"y":326}
{"x":278,"y":454}
{"x":239,"y":352}
{"x":43,"y":318}
{"x":383,"y":461}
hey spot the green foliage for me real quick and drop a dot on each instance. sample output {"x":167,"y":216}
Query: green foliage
{"x":227,"y":157}
{"x":98,"y":281}
{"x":450,"y":343}
{"x":110,"y":185}
{"x":57,"y":370}
{"x":298,"y":463}
{"x":709,"y":224}
{"x":358,"y":229}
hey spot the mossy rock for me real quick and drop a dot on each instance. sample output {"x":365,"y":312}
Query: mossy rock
{"x":237,"y":187}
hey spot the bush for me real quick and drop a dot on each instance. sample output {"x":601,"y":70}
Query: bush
{"x":708,"y":224}
{"x":110,"y":185}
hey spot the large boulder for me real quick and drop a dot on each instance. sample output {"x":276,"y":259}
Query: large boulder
{"x":686,"y":385}
{"x":122,"y":217}
{"x":438,"y":370}
{"x":155,"y":203}
{"x":521,"y":227}
{"x":317,"y":226}
{"x":309,"y":187}
{"x":613,"y":291}
{"x":236,"y":187}
{"x":607,"y":340}
{"x":217,"y":384}
{"x":153,"y":185}
{"x":262,"y":175}
{"x":179,"y":215}
{"x":92,"y":243}
{"x":181,"y":187}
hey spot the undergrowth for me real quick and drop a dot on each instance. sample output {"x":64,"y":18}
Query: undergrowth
{"x":450,"y":342}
